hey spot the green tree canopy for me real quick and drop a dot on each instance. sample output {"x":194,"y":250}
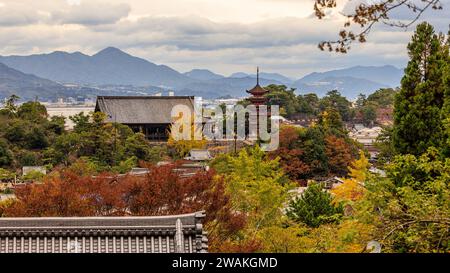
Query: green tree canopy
{"x":335,"y":100}
{"x":286,"y":99}
{"x":383,"y":97}
{"x":314,"y":207}
{"x":418,"y":108}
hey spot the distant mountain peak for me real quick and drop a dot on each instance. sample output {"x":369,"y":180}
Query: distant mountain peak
{"x":239,"y":75}
{"x":59,"y":52}
{"x":63,"y":53}
{"x":78,"y":53}
{"x":387,"y":74}
{"x":109,"y":51}
{"x":200,"y":70}
{"x":203,"y":75}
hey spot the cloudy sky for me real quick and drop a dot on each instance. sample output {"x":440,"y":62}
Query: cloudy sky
{"x":224,"y":36}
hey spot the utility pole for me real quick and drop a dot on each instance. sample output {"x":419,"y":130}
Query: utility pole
{"x":115,"y":138}
{"x":235,"y":143}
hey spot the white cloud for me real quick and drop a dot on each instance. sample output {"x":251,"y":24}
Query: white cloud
{"x":225,"y":36}
{"x":17,"y":14}
{"x":73,"y":2}
{"x":202,"y":34}
{"x":91,"y":13}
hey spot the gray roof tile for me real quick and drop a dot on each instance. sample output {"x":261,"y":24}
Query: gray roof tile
{"x":141,"y":109}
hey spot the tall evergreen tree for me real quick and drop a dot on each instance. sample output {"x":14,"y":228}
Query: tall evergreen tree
{"x":418,"y":106}
{"x":314,"y":207}
{"x":446,"y":108}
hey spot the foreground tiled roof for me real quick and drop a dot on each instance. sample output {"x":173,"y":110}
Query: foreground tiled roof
{"x":161,"y":234}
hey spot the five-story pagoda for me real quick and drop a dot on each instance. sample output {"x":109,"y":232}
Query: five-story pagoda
{"x":259,"y":100}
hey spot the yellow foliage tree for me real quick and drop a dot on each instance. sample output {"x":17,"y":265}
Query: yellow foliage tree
{"x":291,"y":239}
{"x":350,"y":236}
{"x":358,"y":169}
{"x":4,"y":204}
{"x":186,"y":136}
{"x":353,"y":188}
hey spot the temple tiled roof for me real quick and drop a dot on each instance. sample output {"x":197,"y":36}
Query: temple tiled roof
{"x":175,"y":233}
{"x":141,"y":109}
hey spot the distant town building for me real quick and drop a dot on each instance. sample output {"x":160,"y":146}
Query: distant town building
{"x":377,"y":171}
{"x":33,"y":169}
{"x":332,"y":182}
{"x":139,"y":171}
{"x":150,"y":115}
{"x":157,"y":234}
{"x":367,"y":137}
{"x":328,"y":183}
{"x":198,"y":155}
{"x":303,"y":119}
{"x":281,"y":119}
{"x":67,"y":111}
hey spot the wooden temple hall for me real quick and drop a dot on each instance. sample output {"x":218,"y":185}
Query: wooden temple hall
{"x":150,"y":115}
{"x":162,"y":234}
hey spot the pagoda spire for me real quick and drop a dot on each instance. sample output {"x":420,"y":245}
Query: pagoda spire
{"x":257,"y":75}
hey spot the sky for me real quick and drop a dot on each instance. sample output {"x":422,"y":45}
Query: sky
{"x":224,"y":36}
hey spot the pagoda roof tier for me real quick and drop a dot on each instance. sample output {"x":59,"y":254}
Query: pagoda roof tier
{"x":257,"y":91}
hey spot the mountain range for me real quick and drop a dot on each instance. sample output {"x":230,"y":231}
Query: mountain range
{"x":109,"y":66}
{"x":48,"y":75}
{"x":28,"y":86}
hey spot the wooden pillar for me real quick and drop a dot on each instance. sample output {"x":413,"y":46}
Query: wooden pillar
{"x":179,"y":236}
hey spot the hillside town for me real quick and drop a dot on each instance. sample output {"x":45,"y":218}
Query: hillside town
{"x":151,"y":116}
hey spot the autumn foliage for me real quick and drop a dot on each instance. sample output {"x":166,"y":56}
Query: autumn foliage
{"x":290,"y":156}
{"x":320,"y":151}
{"x":352,"y":189}
{"x":160,"y":192}
{"x":339,"y":153}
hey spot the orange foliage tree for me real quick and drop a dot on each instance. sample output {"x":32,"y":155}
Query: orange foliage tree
{"x":339,"y":153}
{"x":290,"y":155}
{"x":307,"y":153}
